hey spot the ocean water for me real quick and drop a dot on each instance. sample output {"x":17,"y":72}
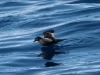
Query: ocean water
{"x":78,"y":21}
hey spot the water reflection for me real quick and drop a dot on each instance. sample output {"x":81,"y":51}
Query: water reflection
{"x":49,"y":52}
{"x":49,"y":64}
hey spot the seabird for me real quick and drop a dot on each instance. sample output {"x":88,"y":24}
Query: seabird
{"x":48,"y":39}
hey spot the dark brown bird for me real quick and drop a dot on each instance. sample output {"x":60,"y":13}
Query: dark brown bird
{"x":48,"y":39}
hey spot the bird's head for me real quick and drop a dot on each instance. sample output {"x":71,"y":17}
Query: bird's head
{"x":37,"y":38}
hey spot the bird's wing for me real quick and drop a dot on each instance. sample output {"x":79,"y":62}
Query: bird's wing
{"x":47,"y":40}
{"x":48,"y":34}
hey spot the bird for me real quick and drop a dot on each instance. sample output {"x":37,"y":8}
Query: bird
{"x":48,"y":39}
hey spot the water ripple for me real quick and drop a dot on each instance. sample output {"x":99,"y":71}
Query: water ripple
{"x":75,"y":20}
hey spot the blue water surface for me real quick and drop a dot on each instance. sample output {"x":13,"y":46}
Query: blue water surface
{"x":78,"y":21}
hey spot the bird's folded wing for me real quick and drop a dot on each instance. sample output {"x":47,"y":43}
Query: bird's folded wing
{"x":49,"y":33}
{"x":47,"y":40}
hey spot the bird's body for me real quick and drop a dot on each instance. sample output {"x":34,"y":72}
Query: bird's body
{"x":48,"y":38}
{"x":47,"y":42}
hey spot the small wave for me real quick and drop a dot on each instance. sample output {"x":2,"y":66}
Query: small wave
{"x":86,"y":11}
{"x":80,"y":42}
{"x":85,"y":1}
{"x":10,"y":4}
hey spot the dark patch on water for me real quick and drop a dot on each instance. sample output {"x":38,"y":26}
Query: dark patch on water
{"x":10,"y":4}
{"x":85,"y":1}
